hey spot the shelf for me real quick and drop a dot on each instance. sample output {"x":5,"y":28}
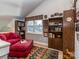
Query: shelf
{"x":55,"y":26}
{"x":55,"y":38}
{"x":20,"y":28}
{"x":45,"y":30}
{"x":55,"y":31}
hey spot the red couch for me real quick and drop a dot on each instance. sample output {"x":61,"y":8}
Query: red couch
{"x":10,"y":37}
{"x":17,"y":49}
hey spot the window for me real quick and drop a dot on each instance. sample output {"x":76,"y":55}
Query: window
{"x":34,"y":26}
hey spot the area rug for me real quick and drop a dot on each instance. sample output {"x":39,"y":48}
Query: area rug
{"x":40,"y":53}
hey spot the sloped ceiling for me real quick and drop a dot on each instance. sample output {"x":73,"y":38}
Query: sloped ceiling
{"x":18,"y":7}
{"x":29,"y":5}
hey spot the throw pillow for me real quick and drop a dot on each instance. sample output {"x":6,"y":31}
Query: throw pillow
{"x":3,"y":37}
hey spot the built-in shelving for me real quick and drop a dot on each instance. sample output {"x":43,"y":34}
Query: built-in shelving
{"x":55,"y":33}
{"x":20,"y":28}
{"x":45,"y":28}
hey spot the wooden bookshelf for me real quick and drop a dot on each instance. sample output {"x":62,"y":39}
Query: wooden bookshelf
{"x":20,"y":28}
{"x":55,"y":33}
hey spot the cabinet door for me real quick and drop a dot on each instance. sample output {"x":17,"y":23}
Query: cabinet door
{"x":51,"y":43}
{"x":68,"y":34}
{"x":58,"y":43}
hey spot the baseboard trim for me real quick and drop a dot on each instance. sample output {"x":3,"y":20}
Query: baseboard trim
{"x":40,"y":43}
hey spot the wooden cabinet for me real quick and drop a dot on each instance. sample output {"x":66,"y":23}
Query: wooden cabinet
{"x":61,"y":33}
{"x":55,"y":33}
{"x":20,"y":28}
{"x":45,"y":28}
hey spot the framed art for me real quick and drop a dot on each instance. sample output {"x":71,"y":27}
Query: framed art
{"x":45,"y":34}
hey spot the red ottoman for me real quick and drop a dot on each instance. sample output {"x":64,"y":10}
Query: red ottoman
{"x":21,"y":49}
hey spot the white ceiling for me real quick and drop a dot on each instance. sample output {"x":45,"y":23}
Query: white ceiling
{"x":29,"y":5}
{"x":18,"y":7}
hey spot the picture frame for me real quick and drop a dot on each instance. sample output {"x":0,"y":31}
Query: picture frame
{"x":45,"y":34}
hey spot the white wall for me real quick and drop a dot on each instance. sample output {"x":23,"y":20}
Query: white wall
{"x":9,"y":10}
{"x":76,"y":46}
{"x":37,"y":37}
{"x":10,"y":7}
{"x":7,"y":23}
{"x":49,"y":7}
{"x":77,"y":38}
{"x":11,"y":25}
{"x":4,"y":20}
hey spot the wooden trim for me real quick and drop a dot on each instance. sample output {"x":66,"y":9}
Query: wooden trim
{"x":37,"y":17}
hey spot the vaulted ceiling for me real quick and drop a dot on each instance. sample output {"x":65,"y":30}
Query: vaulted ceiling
{"x":18,"y":7}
